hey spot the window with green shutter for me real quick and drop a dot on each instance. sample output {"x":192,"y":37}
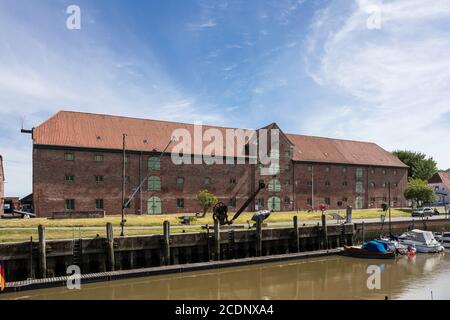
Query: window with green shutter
{"x":274,"y":168}
{"x":154,"y":183}
{"x":153,"y":164}
{"x":359,"y":187}
{"x":274,"y":185}
{"x":359,"y":172}
{"x":69,"y":156}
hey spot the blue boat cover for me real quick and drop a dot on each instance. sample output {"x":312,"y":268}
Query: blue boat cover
{"x":375,"y":246}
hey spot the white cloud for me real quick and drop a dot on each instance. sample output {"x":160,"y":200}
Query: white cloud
{"x":46,"y":68}
{"x":397,"y":77}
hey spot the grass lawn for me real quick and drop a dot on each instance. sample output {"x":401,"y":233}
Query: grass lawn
{"x":147,"y":220}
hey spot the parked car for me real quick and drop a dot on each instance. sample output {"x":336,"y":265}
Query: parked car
{"x":423,"y":212}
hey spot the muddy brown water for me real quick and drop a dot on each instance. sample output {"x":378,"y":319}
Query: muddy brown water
{"x":425,"y":276}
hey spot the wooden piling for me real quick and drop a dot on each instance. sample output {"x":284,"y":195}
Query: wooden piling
{"x":296,"y":235}
{"x":31,"y":275}
{"x":166,"y":229}
{"x":325,"y":231}
{"x":362,"y":232}
{"x":110,"y":247}
{"x":216,"y":240}
{"x":258,"y":237}
{"x":42,"y":252}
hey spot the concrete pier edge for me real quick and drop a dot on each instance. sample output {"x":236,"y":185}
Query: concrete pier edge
{"x":153,"y":271}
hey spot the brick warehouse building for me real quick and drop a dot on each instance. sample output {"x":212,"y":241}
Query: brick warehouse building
{"x":77,"y":165}
{"x":2,"y":186}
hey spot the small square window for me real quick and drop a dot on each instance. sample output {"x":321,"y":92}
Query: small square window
{"x":70,"y":204}
{"x":260,"y":203}
{"x":309,"y":201}
{"x":394,"y":172}
{"x":180,"y":203}
{"x":127,"y":203}
{"x":327,"y":169}
{"x":344,"y":170}
{"x":69,"y":157}
{"x":327,"y":183}
{"x":99,"y":204}
{"x":98,"y":179}
{"x":287,"y":200}
{"x":206,"y":181}
{"x":327,"y":201}
{"x":180,"y":181}
{"x":232,"y":202}
{"x":232,"y":182}
{"x":98,"y":158}
{"x":384,"y":171}
{"x":372,"y":184}
{"x":69,"y":178}
{"x":309,"y":168}
{"x":345,"y":183}
{"x":344,"y":199}
{"x":287,"y":182}
{"x":309,"y":183}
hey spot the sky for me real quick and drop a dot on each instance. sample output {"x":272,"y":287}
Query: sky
{"x":374,"y":71}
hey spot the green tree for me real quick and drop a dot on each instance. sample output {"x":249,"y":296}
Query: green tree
{"x":206,"y":200}
{"x":419,"y":191}
{"x":420,"y":167}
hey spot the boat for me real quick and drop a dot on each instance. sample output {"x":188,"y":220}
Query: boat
{"x":423,"y":241}
{"x":399,"y":248}
{"x":369,"y":250}
{"x":443,"y":239}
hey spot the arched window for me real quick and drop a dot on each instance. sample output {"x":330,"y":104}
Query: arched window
{"x":153,"y":164}
{"x":274,"y":204}
{"x":154,"y":183}
{"x":274,"y":185}
{"x":154,"y":205}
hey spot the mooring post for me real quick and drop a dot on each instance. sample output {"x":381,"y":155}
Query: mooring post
{"x":216,"y":240}
{"x":166,"y":228}
{"x":110,"y":246}
{"x":296,"y":235}
{"x":31,"y":258}
{"x":325,"y":231}
{"x":258,"y":237}
{"x":362,"y":232}
{"x":42,"y":253}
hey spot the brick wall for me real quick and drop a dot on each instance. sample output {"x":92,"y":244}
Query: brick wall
{"x":2,"y":186}
{"x":50,"y":190}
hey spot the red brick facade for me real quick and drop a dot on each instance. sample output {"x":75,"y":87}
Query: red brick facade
{"x":77,"y":165}
{"x":331,"y":182}
{"x":2,"y":186}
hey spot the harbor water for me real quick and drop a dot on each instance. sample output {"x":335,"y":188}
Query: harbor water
{"x":425,"y":276}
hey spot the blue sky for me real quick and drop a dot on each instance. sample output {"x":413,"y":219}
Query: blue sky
{"x":314,"y":67}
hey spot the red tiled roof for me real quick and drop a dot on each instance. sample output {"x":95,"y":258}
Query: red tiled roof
{"x":441,"y":176}
{"x":327,"y":150}
{"x":76,"y":129}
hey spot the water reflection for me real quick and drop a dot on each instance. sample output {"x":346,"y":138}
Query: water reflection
{"x":322,"y":278}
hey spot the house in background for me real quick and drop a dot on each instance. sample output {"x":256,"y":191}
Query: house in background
{"x":2,"y":185}
{"x":441,"y":184}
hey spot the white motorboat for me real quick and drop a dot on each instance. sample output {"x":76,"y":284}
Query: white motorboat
{"x":423,"y":241}
{"x":398,"y":248}
{"x":443,"y":238}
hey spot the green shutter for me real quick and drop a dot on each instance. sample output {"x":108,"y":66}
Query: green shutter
{"x":154,"y":205}
{"x":274,"y":185}
{"x":274,"y":204}
{"x":154,"y":183}
{"x":154,"y":164}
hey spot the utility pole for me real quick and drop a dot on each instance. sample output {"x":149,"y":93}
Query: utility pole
{"x":122,"y":222}
{"x":312,"y":188}
{"x":389,"y":207}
